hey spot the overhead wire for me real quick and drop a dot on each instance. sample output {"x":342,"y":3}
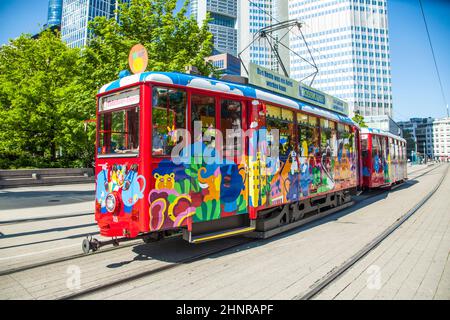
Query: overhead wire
{"x":434,"y":56}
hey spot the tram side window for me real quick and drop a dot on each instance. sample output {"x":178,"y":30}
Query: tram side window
{"x":364,"y":145}
{"x":328,"y":137}
{"x":345,"y":139}
{"x":203,"y":109}
{"x":394,"y":143}
{"x":304,"y":134}
{"x":376,"y":146}
{"x":283,"y":121}
{"x":231,"y":115}
{"x":396,"y":150}
{"x":119,"y":132}
{"x":314,"y":142}
{"x":391,"y":148}
{"x":168,"y":114}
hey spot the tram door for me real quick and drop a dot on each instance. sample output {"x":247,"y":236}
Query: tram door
{"x":234,"y":186}
{"x":219,"y":177}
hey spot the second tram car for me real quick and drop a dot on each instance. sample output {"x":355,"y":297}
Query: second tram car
{"x":384,"y":158}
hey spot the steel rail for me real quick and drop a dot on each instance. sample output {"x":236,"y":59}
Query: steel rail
{"x":337,"y":272}
{"x":149,"y":272}
{"x":153,"y":271}
{"x":62,"y":259}
{"x":45,"y":218}
{"x":102,"y":287}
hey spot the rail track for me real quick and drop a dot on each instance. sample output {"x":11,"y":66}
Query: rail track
{"x":242,"y":241}
{"x":46,"y":218}
{"x":133,"y":243}
{"x":338,"y":272}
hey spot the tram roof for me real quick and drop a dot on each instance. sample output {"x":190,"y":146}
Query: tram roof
{"x":381,"y":133}
{"x":228,"y":87}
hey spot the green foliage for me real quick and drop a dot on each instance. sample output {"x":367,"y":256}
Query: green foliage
{"x":42,"y":104}
{"x":48,"y":90}
{"x":359,"y":119}
{"x":173,"y":41}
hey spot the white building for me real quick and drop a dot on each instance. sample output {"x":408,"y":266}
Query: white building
{"x":77,"y":14}
{"x":223,"y":26}
{"x":253,"y":16}
{"x":349,"y":40}
{"x":441,"y":138}
{"x":383,"y":122}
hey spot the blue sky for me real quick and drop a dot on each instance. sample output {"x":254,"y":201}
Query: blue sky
{"x":416,"y":89}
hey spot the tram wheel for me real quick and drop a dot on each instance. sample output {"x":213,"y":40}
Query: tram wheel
{"x":150,"y":238}
{"x":89,"y":245}
{"x":86,"y":246}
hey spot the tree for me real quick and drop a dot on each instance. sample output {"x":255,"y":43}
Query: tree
{"x":359,"y":120}
{"x":41,"y":105}
{"x":173,"y":40}
{"x":48,"y":90}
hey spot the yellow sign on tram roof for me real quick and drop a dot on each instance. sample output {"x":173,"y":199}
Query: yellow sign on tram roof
{"x":138,"y":59}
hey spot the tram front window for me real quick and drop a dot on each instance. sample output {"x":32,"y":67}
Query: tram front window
{"x":119,"y":132}
{"x":168,"y":115}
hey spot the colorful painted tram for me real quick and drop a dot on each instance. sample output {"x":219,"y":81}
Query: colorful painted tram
{"x":219,"y":189}
{"x":384,"y":158}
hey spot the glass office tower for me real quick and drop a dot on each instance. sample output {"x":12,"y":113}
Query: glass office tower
{"x":255,"y":15}
{"x":350,"y":45}
{"x":54,"y":13}
{"x":223,"y":25}
{"x":76,"y":15}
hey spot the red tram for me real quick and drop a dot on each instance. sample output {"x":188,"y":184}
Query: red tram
{"x":384,"y":158}
{"x":219,"y":189}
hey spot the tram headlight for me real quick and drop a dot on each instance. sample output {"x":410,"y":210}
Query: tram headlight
{"x":111,"y":202}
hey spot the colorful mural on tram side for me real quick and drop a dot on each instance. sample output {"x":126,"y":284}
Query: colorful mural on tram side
{"x":197,"y":188}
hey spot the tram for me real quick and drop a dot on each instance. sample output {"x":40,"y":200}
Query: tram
{"x":384,"y":158}
{"x":217,"y":191}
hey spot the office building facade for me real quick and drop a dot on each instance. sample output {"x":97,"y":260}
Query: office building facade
{"x":349,"y":41}
{"x":223,"y":26}
{"x":383,"y":122}
{"x":441,"y":138}
{"x":77,"y":14}
{"x":420,"y":132}
{"x":54,"y":13}
{"x":255,"y":15}
{"x":226,"y":63}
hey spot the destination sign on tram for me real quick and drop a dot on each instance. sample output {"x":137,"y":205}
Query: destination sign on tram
{"x":272,"y":81}
{"x":124,"y":99}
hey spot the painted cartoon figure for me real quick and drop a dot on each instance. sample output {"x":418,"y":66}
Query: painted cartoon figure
{"x":170,"y":202}
{"x":120,"y":180}
{"x":117,"y":177}
{"x":210,"y":179}
{"x":231,"y":186}
{"x":166,"y":181}
{"x":132,"y":190}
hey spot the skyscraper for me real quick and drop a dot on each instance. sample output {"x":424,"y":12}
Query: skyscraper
{"x":54,"y":13}
{"x":255,"y":15}
{"x":349,"y":41}
{"x":76,"y":15}
{"x":223,"y":25}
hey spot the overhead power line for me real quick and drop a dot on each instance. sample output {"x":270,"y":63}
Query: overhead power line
{"x":434,"y":57}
